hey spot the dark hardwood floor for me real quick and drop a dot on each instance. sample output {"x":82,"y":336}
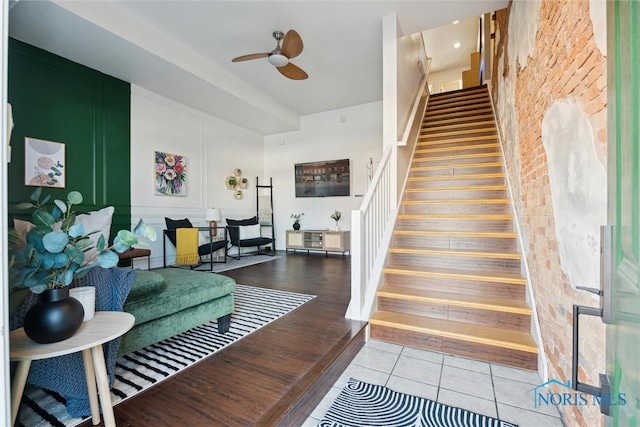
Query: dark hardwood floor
{"x":274,"y":376}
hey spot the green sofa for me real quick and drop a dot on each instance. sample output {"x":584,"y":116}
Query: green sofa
{"x":169,"y":301}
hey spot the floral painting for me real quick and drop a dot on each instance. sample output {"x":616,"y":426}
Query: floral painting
{"x":171,"y":174}
{"x":44,"y":163}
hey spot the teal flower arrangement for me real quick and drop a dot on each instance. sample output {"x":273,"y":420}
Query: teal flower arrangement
{"x":55,"y":248}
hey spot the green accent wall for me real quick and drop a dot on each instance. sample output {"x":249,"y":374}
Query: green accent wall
{"x":59,"y":100}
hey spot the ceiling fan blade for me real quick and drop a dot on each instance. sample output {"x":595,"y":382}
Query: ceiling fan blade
{"x":292,"y":44}
{"x":250,"y":57}
{"x":293,"y":72}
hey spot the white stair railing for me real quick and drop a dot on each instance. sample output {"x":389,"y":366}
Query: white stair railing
{"x":368,"y":227}
{"x":372,"y":224}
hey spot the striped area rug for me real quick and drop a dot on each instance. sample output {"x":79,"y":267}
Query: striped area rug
{"x":363,"y":404}
{"x":255,"y":308}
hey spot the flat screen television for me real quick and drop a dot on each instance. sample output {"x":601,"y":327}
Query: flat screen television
{"x":323,"y":179}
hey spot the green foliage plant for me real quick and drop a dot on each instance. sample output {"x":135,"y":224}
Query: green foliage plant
{"x":54,"y":250}
{"x":296,"y":217}
{"x":336,"y":216}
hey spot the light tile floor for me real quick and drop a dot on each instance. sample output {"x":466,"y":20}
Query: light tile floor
{"x":485,"y":388}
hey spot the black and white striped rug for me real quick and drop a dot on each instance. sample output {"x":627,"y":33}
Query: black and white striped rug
{"x":368,"y":405}
{"x":254,"y":308}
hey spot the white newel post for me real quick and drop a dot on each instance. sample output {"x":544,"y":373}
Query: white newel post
{"x":357,"y":240}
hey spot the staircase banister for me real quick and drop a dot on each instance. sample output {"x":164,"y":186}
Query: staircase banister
{"x":417,"y":111}
{"x":366,"y":201}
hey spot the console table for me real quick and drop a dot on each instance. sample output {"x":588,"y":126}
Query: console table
{"x":319,"y":240}
{"x":104,"y":327}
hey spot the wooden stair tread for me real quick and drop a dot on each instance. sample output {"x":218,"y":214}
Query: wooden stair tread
{"x":472,"y":97}
{"x":471,"y":119}
{"x":460,"y":300}
{"x":426,"y":136}
{"x":466,"y":103}
{"x":459,"y":115}
{"x":455,"y":201}
{"x":465,"y":188}
{"x":429,"y":134}
{"x":479,"y":217}
{"x":490,"y":276}
{"x":427,"y":128}
{"x":453,"y":106}
{"x":467,"y":115}
{"x":455,"y":166}
{"x":460,"y":92}
{"x":456,"y":147}
{"x":464,"y":176}
{"x":487,"y":234}
{"x":488,"y":335}
{"x":455,"y":157}
{"x":457,"y":253}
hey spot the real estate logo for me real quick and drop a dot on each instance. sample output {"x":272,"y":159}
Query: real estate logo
{"x":542,"y":396}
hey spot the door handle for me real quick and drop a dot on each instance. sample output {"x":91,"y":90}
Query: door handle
{"x":606,"y":272}
{"x":604,"y":312}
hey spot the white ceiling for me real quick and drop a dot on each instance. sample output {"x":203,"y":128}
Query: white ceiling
{"x":183,"y":49}
{"x":438,"y":43}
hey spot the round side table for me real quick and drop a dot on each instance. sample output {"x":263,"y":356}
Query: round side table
{"x":104,"y":327}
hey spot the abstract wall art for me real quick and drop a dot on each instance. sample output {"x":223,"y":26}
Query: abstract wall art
{"x":44,"y":163}
{"x":170,"y":174}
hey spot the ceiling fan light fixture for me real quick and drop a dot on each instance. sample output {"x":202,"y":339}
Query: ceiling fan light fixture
{"x":278,"y":60}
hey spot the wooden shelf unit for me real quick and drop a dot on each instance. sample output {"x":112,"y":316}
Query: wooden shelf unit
{"x":319,"y":240}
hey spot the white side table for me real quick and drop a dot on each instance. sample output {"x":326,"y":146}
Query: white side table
{"x":105,"y":326}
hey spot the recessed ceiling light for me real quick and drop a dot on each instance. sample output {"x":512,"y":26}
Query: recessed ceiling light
{"x":455,"y":22}
{"x":456,"y":45}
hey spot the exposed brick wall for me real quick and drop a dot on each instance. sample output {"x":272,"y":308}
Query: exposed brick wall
{"x":565,"y":63}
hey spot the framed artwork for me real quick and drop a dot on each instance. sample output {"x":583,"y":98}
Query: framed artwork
{"x":322,"y":179}
{"x":44,"y":163}
{"x":171,"y":174}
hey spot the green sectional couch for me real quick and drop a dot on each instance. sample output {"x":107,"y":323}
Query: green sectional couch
{"x":169,"y":301}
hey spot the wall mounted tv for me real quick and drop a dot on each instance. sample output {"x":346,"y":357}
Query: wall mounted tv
{"x":322,"y":179}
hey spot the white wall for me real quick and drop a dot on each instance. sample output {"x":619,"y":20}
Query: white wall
{"x":354,"y":133}
{"x":436,"y":79}
{"x":213,"y":149}
{"x":410,"y":52}
{"x":390,"y":35}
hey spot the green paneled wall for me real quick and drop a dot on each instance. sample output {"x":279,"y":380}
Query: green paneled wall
{"x":59,"y":100}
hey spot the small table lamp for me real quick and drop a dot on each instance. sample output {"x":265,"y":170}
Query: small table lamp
{"x":212,"y":215}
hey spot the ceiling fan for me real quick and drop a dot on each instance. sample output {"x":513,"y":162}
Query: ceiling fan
{"x":280,"y":56}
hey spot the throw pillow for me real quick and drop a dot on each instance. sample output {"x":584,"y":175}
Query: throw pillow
{"x":249,"y":232}
{"x":100,"y":222}
{"x":173,"y":224}
{"x":96,"y":221}
{"x":233,"y":224}
{"x":22,"y":227}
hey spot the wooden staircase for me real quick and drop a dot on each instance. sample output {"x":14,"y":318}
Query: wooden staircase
{"x":452,"y":281}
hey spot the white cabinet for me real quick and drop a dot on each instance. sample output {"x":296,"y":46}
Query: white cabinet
{"x":319,"y":240}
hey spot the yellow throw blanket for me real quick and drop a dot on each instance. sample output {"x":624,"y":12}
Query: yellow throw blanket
{"x":187,"y":246}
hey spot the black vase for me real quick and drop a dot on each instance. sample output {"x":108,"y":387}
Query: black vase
{"x":296,"y":226}
{"x":54,"y":318}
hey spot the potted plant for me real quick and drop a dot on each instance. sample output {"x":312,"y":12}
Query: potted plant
{"x":296,"y":220}
{"x":52,"y":255}
{"x":231,"y":182}
{"x":336,"y":217}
